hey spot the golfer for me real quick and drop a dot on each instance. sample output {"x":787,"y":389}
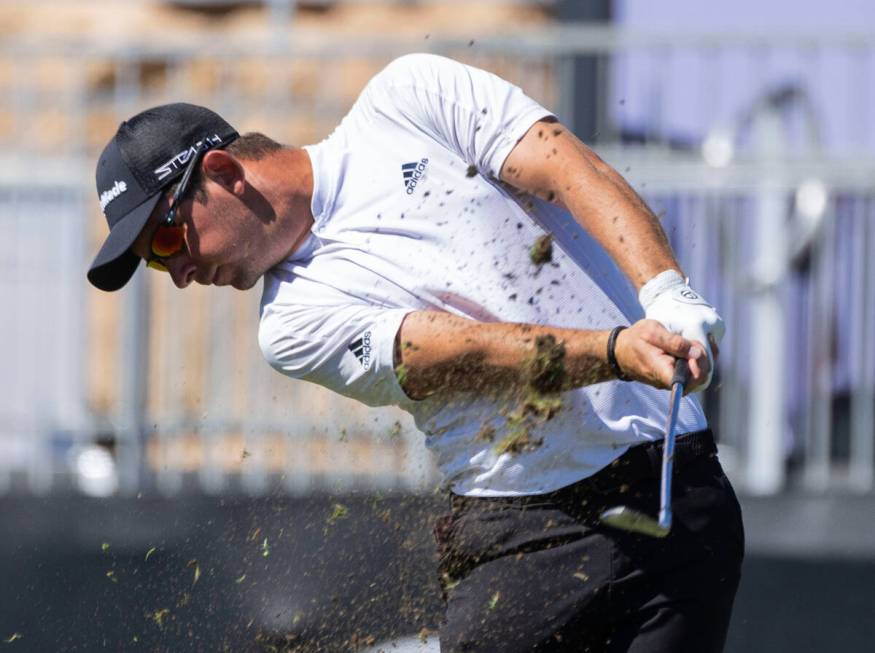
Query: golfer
{"x":452,"y":249}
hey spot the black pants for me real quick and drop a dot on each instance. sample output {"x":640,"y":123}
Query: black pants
{"x":542,"y":574}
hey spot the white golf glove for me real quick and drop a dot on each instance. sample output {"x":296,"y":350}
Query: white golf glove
{"x":667,"y":299}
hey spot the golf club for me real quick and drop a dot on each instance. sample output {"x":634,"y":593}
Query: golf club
{"x":626,"y":518}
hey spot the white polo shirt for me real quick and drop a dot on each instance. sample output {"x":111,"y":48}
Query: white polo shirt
{"x":409,"y":216}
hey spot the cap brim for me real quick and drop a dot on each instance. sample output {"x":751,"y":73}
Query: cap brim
{"x":115,"y":264}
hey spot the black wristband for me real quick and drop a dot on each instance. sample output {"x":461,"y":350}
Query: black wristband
{"x":612,"y":358}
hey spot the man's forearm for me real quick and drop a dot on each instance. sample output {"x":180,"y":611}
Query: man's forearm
{"x":442,"y":353}
{"x":471,"y":356}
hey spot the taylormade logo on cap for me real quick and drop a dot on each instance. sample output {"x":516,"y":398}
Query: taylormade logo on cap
{"x":108,"y":196}
{"x":165,"y":170}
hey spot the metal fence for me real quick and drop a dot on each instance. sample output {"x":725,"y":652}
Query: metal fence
{"x":41,"y":331}
{"x":773,"y":224}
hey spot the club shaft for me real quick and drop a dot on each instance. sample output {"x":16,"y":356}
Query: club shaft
{"x":677,"y":391}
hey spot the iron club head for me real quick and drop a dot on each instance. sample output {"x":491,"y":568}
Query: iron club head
{"x":627,"y":519}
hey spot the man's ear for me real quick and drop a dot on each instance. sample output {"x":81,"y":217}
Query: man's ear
{"x":226,"y":170}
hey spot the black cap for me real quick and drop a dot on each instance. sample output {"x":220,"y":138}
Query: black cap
{"x":146,"y":155}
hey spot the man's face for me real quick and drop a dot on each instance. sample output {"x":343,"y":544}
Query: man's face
{"x":220,"y":244}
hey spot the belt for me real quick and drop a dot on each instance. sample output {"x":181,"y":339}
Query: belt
{"x":645,"y":460}
{"x":640,"y":462}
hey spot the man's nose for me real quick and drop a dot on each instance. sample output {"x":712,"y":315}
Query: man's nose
{"x":181,"y":269}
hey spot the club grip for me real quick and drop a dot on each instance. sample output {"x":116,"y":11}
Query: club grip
{"x":681,"y":372}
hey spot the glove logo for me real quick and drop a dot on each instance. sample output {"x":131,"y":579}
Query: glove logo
{"x":687,"y":293}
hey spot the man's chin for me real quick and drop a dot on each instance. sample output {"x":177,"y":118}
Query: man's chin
{"x":243,"y":284}
{"x":236,"y":278}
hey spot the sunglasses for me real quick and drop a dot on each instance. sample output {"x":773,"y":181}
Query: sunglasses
{"x":169,"y":238}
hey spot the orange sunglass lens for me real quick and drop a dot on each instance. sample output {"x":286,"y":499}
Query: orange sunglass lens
{"x":168,"y":241}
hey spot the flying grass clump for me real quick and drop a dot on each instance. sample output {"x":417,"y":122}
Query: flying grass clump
{"x":338,"y":512}
{"x":541,"y":252}
{"x":486,"y":433}
{"x":546,"y":377}
{"x":518,"y":440}
{"x":401,"y":374}
{"x":197,"y":570}
{"x":158,"y":616}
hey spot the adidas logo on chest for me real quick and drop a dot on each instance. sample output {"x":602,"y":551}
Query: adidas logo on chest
{"x":413,"y":174}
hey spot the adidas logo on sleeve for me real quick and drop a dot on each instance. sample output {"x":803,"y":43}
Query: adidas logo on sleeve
{"x":413,"y":173}
{"x":361,"y":349}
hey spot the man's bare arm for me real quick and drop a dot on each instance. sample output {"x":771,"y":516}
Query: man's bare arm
{"x":440,"y":352}
{"x":551,"y":163}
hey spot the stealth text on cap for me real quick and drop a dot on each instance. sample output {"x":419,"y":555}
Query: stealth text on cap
{"x":108,"y":196}
{"x":165,"y":170}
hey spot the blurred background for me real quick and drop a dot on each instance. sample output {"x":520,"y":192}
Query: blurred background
{"x":162,"y":489}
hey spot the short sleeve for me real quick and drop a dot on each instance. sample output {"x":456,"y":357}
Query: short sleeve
{"x":472,"y":112}
{"x":347,"y":349}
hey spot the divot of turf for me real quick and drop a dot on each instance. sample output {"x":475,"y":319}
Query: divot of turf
{"x":541,"y":252}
